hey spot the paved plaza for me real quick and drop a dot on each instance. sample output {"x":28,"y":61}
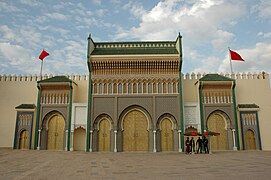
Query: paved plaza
{"x":29,"y":164}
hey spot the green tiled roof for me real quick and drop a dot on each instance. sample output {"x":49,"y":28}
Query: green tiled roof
{"x":156,"y":47}
{"x":26,"y":106}
{"x":215,"y":77}
{"x":248,"y":106}
{"x":56,"y":79}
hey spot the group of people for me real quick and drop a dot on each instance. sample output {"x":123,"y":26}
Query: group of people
{"x":201,"y":145}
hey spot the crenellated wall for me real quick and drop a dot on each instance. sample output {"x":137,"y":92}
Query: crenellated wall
{"x":22,"y":89}
{"x":187,"y":76}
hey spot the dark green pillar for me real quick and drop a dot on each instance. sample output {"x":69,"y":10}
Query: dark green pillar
{"x":201,"y":107}
{"x":37,"y":119}
{"x":70,"y":116}
{"x":181,"y":90}
{"x":89,"y":96}
{"x":235,"y":116}
{"x":89,"y":112}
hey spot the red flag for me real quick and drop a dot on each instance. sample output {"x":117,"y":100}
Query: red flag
{"x":235,"y":56}
{"x":43,"y":54}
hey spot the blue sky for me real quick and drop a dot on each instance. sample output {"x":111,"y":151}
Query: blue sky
{"x":208,"y":28}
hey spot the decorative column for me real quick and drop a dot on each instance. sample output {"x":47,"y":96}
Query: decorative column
{"x":39,"y":136}
{"x":234,"y":142}
{"x":71,"y":148}
{"x":154,"y":141}
{"x":90,"y":141}
{"x":69,"y":117}
{"x":66,"y":146}
{"x":115,"y":141}
{"x":180,"y":143}
{"x":37,"y":117}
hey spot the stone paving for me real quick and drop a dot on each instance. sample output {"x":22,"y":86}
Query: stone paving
{"x":29,"y":164}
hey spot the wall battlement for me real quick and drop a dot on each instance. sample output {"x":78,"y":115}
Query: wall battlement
{"x":255,"y":76}
{"x":38,"y":78}
{"x":187,"y":76}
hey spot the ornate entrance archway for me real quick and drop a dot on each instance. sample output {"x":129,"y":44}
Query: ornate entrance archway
{"x":217,"y":123}
{"x":79,"y":139}
{"x":104,"y":135}
{"x":135,"y":131}
{"x":55,"y":136}
{"x":24,"y":140}
{"x":250,"y":140}
{"x":166,"y":135}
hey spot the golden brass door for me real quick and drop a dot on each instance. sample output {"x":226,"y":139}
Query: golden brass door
{"x":216,"y":123}
{"x":24,"y":141}
{"x":135,"y":133}
{"x":55,"y":138}
{"x":250,"y":140}
{"x":79,"y":139}
{"x":166,"y":135}
{"x":104,"y":135}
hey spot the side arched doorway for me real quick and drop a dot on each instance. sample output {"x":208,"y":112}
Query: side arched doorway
{"x":55,"y":136}
{"x":250,"y":140}
{"x":217,"y":123}
{"x":104,"y":135}
{"x":24,"y":140}
{"x":135,"y":131}
{"x":79,"y":139}
{"x":166,"y":135}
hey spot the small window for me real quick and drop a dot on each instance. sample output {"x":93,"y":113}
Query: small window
{"x":170,"y":88}
{"x":120,"y":88}
{"x":160,"y":88}
{"x":140,"y":88}
{"x":149,"y":88}
{"x":100,"y":89}
{"x":130,"y":88}
{"x":110,"y":88}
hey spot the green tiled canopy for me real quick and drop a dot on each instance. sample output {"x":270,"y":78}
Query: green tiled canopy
{"x":215,"y":77}
{"x":56,"y":79}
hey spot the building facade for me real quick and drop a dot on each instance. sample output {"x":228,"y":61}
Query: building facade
{"x":135,"y":98}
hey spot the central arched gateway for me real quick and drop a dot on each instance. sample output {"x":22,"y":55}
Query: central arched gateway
{"x":55,"y":138}
{"x":217,"y":123}
{"x":135,"y":131}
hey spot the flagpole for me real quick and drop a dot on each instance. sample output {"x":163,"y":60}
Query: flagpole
{"x":41,"y":69}
{"x":230,"y":60}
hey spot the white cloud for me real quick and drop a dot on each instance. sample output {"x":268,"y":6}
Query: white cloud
{"x":56,"y":16}
{"x":222,"y":39}
{"x":135,"y":8}
{"x":199,"y":21}
{"x":101,"y":12}
{"x":19,"y":58}
{"x":208,"y":65}
{"x":98,"y":2}
{"x":265,"y":35}
{"x":31,"y":2}
{"x":264,"y":9}
{"x":5,"y":7}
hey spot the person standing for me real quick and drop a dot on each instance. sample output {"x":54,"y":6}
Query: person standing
{"x":199,"y":145}
{"x":192,"y":145}
{"x":205,"y":143}
{"x":187,"y":144}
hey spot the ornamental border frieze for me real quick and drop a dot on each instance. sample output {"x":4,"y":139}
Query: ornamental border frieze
{"x":136,"y":45}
